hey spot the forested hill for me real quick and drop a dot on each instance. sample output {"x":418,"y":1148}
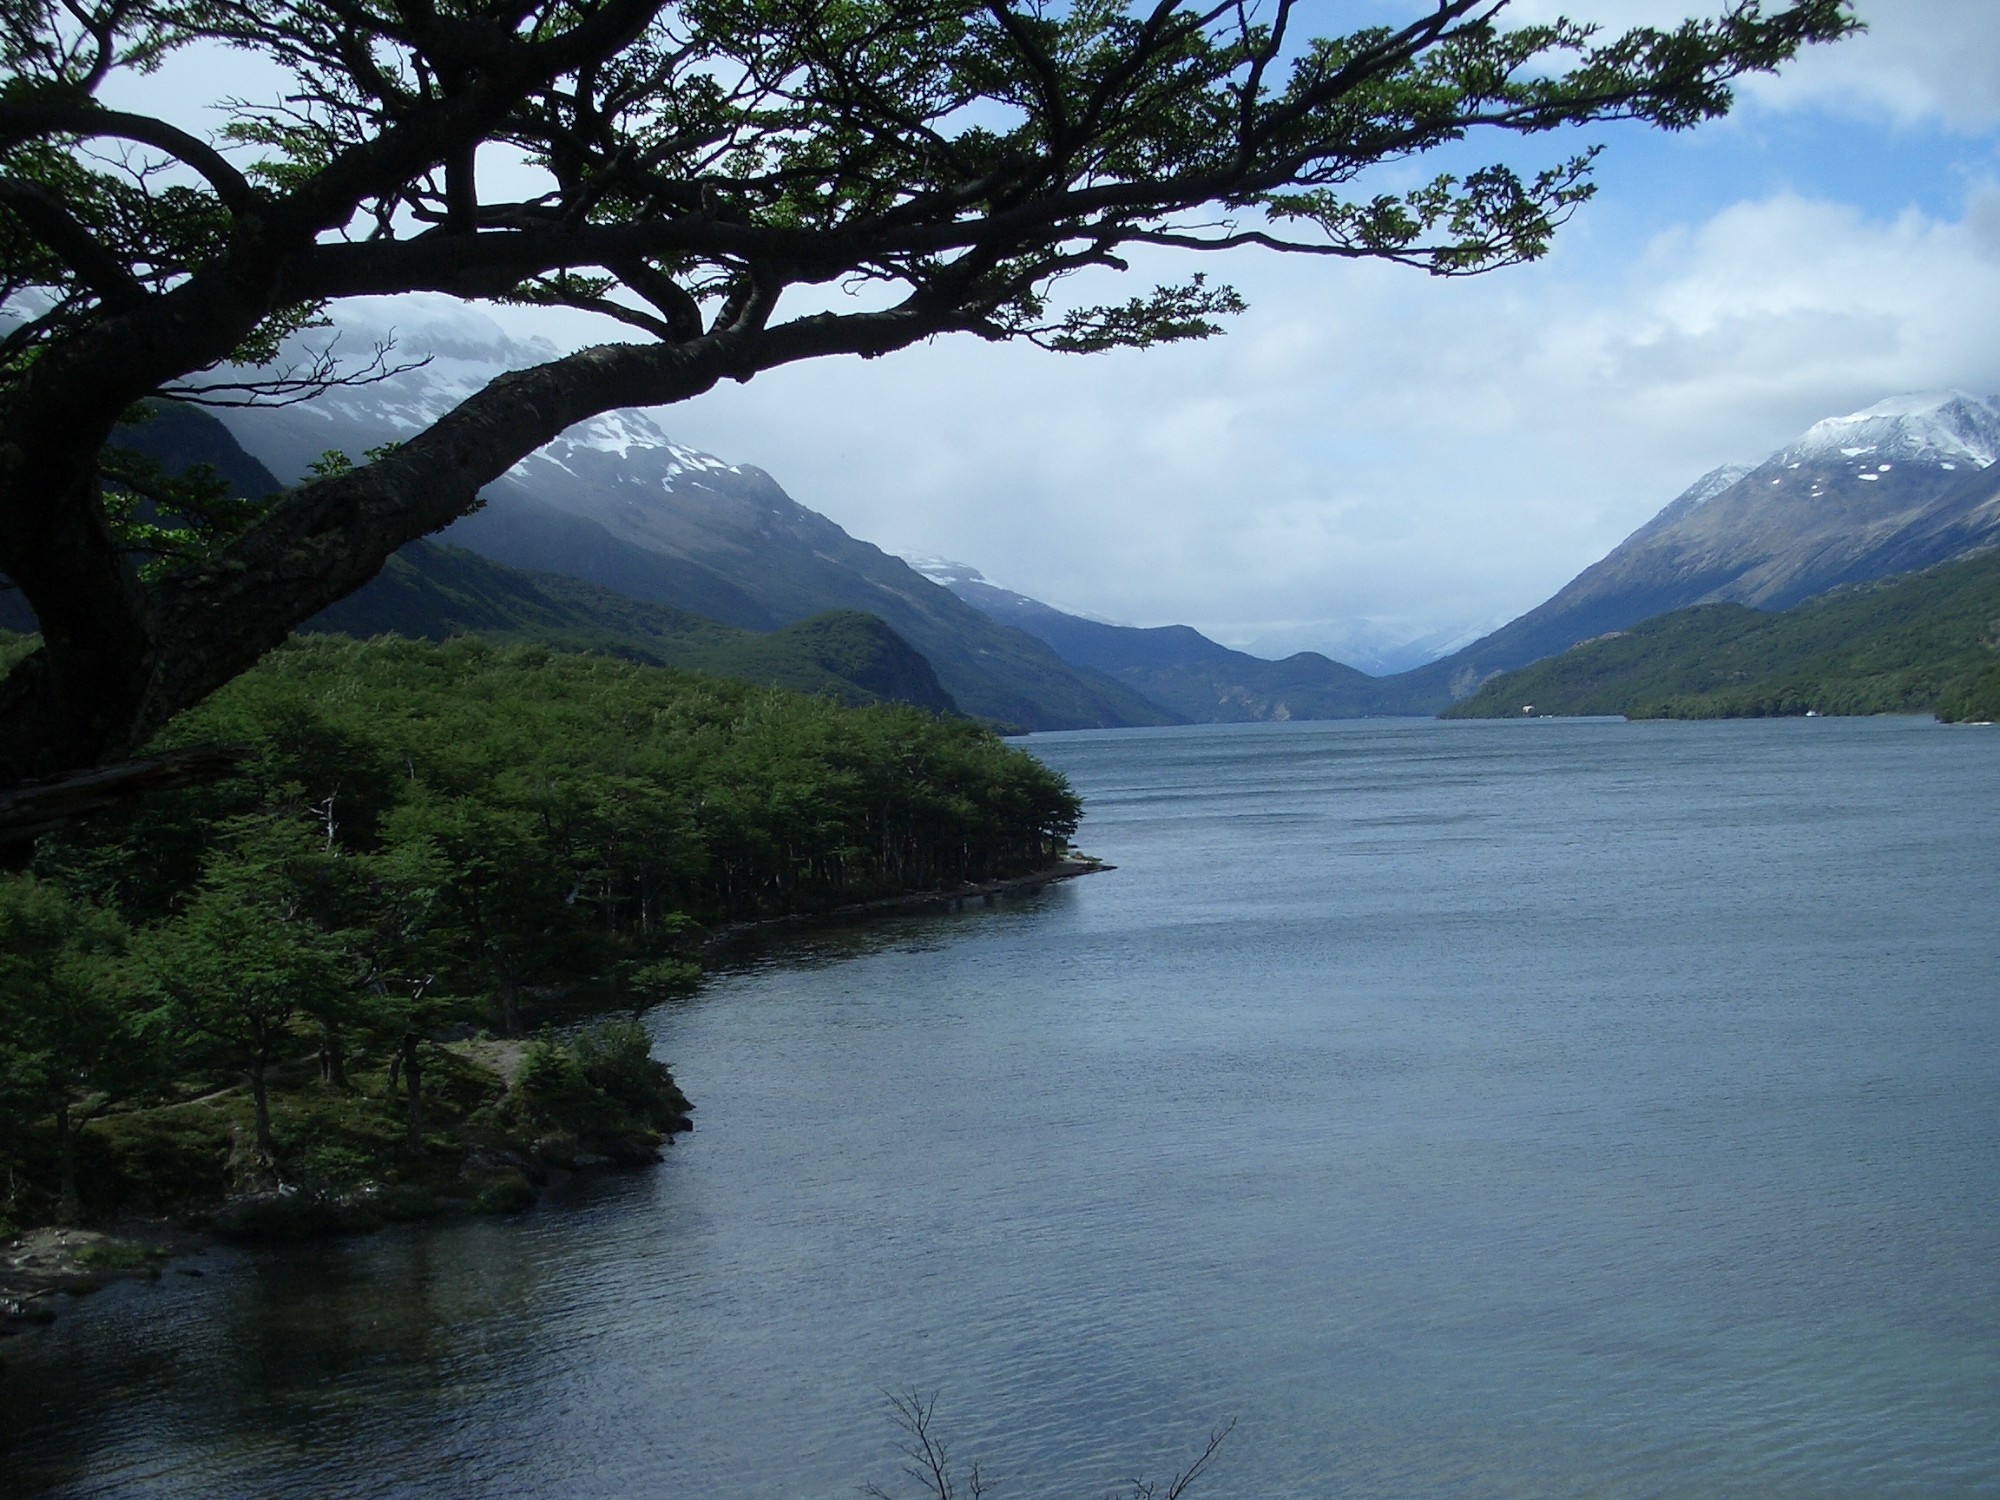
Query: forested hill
{"x":1922,"y":642}
{"x":429,"y":839}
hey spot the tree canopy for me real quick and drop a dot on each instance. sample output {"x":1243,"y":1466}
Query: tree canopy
{"x":697,"y":170}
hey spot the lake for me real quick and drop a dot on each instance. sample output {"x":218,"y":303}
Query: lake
{"x":1464,"y":1109}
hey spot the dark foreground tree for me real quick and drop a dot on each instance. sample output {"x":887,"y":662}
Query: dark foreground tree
{"x":703,"y":171}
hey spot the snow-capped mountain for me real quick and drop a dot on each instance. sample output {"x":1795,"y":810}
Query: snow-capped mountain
{"x":1903,"y":484}
{"x":1947,"y":428}
{"x":617,"y":502}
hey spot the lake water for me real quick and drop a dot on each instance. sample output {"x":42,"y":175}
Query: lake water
{"x":1525,"y":1109}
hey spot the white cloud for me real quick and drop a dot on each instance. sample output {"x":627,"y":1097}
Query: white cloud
{"x":1369,"y":442}
{"x":1921,"y":60}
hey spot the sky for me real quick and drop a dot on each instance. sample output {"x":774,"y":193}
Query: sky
{"x":1371,"y":455}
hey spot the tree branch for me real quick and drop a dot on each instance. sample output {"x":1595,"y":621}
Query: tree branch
{"x":24,"y":122}
{"x":95,"y":266}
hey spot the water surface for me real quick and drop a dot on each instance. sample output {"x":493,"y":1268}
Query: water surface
{"x":1553,"y":1108}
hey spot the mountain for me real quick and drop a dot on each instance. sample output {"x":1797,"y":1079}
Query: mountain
{"x":1905,"y":484}
{"x":616,"y":502}
{"x":1175,"y":665}
{"x":433,"y":592}
{"x":1379,"y":646}
{"x":1919,"y":642}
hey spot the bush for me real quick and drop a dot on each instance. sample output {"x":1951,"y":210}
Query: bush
{"x":603,"y":1088}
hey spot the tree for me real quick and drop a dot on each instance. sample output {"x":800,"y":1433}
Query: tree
{"x":928,"y":1465}
{"x":70,"y":1040}
{"x":244,"y":960}
{"x":701,"y":165}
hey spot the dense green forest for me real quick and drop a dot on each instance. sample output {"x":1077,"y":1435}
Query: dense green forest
{"x":1924,"y":642}
{"x":428,"y":845}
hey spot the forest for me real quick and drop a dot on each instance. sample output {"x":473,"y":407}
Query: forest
{"x":1925,"y":642}
{"x":313,"y":971}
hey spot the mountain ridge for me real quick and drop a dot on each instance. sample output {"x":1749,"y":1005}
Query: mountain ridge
{"x":1177,"y":666}
{"x":1898,"y":486}
{"x":617,"y":502}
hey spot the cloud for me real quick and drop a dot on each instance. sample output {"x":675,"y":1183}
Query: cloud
{"x":1921,"y":60}
{"x":1373,"y":443}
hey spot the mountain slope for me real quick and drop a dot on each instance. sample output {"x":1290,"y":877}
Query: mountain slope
{"x":1927,"y":641}
{"x":433,"y":592}
{"x":1178,"y":667}
{"x":617,"y":503}
{"x":1904,"y":484}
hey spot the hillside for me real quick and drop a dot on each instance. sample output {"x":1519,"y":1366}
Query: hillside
{"x":616,"y":502}
{"x":1904,"y":484}
{"x":1923,"y":642}
{"x":433,"y":592}
{"x":1179,"y":668}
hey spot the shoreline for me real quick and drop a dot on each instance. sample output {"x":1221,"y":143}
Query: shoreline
{"x":984,"y":891}
{"x":41,"y":1265}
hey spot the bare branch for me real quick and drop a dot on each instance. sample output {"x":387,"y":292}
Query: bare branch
{"x":319,"y":374}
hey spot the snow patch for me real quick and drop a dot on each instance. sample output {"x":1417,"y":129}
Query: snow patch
{"x":1711,"y":484}
{"x":1924,"y":427}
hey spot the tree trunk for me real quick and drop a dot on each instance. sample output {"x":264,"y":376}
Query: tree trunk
{"x":261,"y":1097}
{"x":412,"y":1064}
{"x":509,"y":995}
{"x":333,"y":1058}
{"x":70,"y":1208}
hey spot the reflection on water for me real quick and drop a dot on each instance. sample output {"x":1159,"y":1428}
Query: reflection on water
{"x":1519,"y":1109}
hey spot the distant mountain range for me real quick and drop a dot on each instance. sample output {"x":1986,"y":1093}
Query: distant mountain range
{"x":616,"y":538}
{"x":617,"y":503}
{"x":1903,"y":485}
{"x":1176,"y":666}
